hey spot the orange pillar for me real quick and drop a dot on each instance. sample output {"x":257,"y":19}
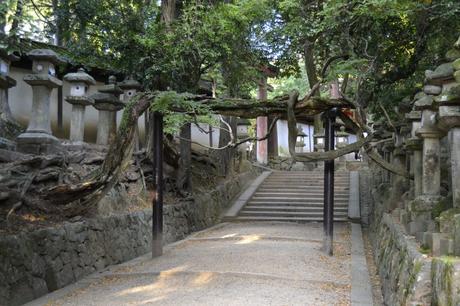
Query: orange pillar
{"x":262,"y":125}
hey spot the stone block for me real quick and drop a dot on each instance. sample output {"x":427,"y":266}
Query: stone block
{"x":416,"y":226}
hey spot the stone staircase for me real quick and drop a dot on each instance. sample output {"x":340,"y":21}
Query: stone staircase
{"x":295,"y":196}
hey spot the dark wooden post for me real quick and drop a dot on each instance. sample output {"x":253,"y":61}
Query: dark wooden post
{"x":157,"y":202}
{"x":328,"y":217}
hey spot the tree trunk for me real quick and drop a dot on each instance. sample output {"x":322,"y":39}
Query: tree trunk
{"x":226,"y":156}
{"x":312,"y":74}
{"x":17,"y":17}
{"x":3,"y":13}
{"x":184,"y":180}
{"x":168,"y":11}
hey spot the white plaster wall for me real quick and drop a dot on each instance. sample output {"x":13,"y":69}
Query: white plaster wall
{"x":203,"y":138}
{"x":283,"y":142}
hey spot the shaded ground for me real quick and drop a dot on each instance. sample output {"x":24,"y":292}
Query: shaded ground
{"x":230,"y":264}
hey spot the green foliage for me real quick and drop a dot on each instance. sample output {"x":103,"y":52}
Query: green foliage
{"x":389,"y":42}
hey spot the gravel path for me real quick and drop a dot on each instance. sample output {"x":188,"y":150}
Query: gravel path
{"x":230,"y":264}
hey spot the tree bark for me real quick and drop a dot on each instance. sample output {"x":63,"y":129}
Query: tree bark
{"x":184,"y":175}
{"x":312,"y":75}
{"x":17,"y":17}
{"x":226,"y":156}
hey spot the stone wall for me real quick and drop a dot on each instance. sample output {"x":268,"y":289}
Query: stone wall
{"x":35,"y":263}
{"x":403,"y":270}
{"x":408,"y":276}
{"x":365,"y":203}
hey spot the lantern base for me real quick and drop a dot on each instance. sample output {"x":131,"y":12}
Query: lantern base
{"x":38,"y":143}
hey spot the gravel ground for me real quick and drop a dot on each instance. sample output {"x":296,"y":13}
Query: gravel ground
{"x":230,"y":264}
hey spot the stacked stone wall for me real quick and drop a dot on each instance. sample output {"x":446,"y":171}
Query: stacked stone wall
{"x":35,"y":263}
{"x":408,"y":275}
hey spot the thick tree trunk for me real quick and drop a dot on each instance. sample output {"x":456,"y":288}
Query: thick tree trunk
{"x":168,"y":11}
{"x":272,"y":140}
{"x":225,"y":163}
{"x":17,"y":17}
{"x":312,"y":75}
{"x":184,"y":180}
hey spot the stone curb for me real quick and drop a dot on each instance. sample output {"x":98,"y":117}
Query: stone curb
{"x":361,"y":290}
{"x":233,"y":211}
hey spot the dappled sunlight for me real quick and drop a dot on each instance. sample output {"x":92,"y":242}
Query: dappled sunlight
{"x":229,"y":235}
{"x":160,"y":282}
{"x":248,"y":239}
{"x":203,"y":278}
{"x":150,"y":301}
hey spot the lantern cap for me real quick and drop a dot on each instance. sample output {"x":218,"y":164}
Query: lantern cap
{"x":79,"y":76}
{"x":45,"y":55}
{"x":130,"y":83}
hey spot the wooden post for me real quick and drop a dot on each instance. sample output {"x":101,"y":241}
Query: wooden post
{"x":157,"y":202}
{"x":328,"y":214}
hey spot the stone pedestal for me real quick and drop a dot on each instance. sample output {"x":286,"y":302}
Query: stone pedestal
{"x":431,"y":134}
{"x":9,"y":128}
{"x":107,"y":103}
{"x":79,"y":86}
{"x":38,"y":138}
{"x":415,"y":145}
{"x":449,"y":121}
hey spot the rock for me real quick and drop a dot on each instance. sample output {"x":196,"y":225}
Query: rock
{"x":440,"y":75}
{"x":452,"y":55}
{"x":456,"y":64}
{"x":432,"y":89}
{"x":457,"y":76}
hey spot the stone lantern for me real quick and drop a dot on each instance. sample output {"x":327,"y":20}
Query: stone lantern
{"x":319,"y":141}
{"x":130,"y":87}
{"x":242,"y":132}
{"x":449,"y":121}
{"x":300,"y":142}
{"x":414,"y":145}
{"x":38,"y":138}
{"x":342,"y":140}
{"x":79,"y":85}
{"x":243,"y":128}
{"x":342,"y":137}
{"x":6,"y":82}
{"x":431,"y":134}
{"x":106,"y":101}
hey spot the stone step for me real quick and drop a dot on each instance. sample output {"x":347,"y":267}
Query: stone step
{"x":296,"y":204}
{"x":303,"y":185}
{"x":288,"y":219}
{"x":287,"y":214}
{"x":291,"y":208}
{"x":316,"y":193}
{"x":292,"y":199}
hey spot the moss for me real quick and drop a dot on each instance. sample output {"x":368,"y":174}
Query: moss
{"x":417,"y":267}
{"x":442,"y":206}
{"x":424,"y":249}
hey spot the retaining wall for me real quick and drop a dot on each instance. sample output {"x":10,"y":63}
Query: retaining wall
{"x":35,"y":263}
